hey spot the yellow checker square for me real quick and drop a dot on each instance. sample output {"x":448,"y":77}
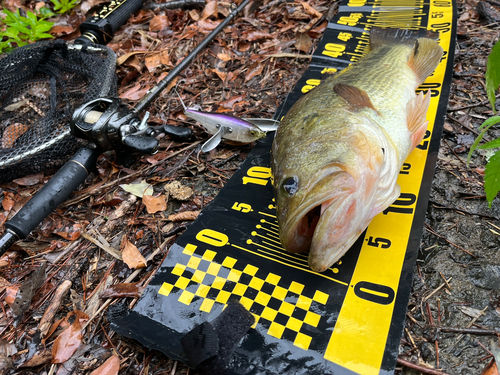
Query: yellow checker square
{"x":320,"y":297}
{"x":304,"y":302}
{"x":246,"y":302}
{"x":179,"y":269}
{"x":256,"y":283}
{"x":202,"y":290}
{"x":286,"y":308}
{"x":273,"y":279}
{"x":280,"y":293}
{"x":296,"y":287}
{"x":251,"y":270}
{"x":218,"y":283}
{"x":229,"y":262}
{"x":256,"y":320}
{"x":189,"y":249}
{"x":294,"y":324}
{"x":223,"y":296}
{"x":312,"y":319}
{"x":276,"y":330}
{"x":209,"y":255}
{"x":240,"y":289}
{"x":269,"y":313}
{"x":182,"y":282}
{"x":302,"y":341}
{"x":165,"y":289}
{"x":262,"y":298}
{"x":186,"y":297}
{"x":194,"y":262}
{"x":213,"y":269}
{"x":207,"y":305}
{"x":234,"y":275}
{"x":198,"y":276}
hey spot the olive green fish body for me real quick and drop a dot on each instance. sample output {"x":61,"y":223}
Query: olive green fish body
{"x":338,"y":151}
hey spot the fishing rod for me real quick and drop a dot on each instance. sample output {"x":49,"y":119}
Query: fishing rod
{"x":108,"y":124}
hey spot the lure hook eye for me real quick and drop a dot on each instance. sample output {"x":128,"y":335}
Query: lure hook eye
{"x":290,"y":186}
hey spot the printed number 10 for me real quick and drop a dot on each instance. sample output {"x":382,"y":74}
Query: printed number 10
{"x":257,"y":176}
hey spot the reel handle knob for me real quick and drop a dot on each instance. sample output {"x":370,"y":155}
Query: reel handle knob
{"x":146,"y":145}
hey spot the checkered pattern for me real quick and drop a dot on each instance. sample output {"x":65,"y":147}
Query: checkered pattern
{"x":285,"y":312}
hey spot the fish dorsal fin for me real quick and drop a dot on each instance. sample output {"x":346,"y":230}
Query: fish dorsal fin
{"x":425,"y":57}
{"x":357,"y":98}
{"x":416,"y":111}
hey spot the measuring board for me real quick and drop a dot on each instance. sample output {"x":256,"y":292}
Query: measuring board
{"x":346,"y":320}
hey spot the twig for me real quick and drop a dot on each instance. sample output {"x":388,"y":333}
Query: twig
{"x":451,"y":243}
{"x":470,"y":331}
{"x":471,"y":105}
{"x":52,"y":309}
{"x":435,"y":290}
{"x":110,"y":250}
{"x":420,"y":368}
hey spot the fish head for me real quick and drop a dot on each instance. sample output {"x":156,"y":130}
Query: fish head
{"x":324,"y":206}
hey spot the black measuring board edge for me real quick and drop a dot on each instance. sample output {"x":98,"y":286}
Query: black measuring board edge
{"x":405,"y":282}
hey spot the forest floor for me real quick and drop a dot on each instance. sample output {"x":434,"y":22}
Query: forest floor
{"x":247,"y":71}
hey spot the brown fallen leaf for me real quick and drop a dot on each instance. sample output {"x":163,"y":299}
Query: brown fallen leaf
{"x":156,"y":60}
{"x":60,"y":30}
{"x":8,"y":201}
{"x":209,"y":10}
{"x":4,"y":284}
{"x":491,"y":369}
{"x":70,"y":233}
{"x":67,"y":343}
{"x":30,"y":180}
{"x":221,"y":75}
{"x":39,"y":358}
{"x":110,"y":367}
{"x":231,"y":101}
{"x":7,"y":349}
{"x":159,"y":23}
{"x":154,"y":204}
{"x":135,"y":93}
{"x":8,"y":258}
{"x":12,"y":133}
{"x":178,"y":191}
{"x":123,"y":290}
{"x":27,"y":291}
{"x":303,"y":42}
{"x":122,"y":59}
{"x":310,"y":10}
{"x":184,"y":216}
{"x":11,"y":293}
{"x":254,"y":70}
{"x":132,"y":256}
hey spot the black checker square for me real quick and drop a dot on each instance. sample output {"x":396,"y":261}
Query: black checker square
{"x":281,"y":318}
{"x":299,"y":313}
{"x":274,"y":303}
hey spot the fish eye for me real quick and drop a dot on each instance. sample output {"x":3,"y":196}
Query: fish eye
{"x":290,"y":185}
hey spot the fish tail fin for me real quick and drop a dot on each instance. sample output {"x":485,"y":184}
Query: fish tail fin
{"x":425,"y":57}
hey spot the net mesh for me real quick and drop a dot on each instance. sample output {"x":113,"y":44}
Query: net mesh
{"x":40,"y":87}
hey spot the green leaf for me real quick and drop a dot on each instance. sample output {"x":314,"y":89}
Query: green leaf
{"x":492,"y":144}
{"x":492,"y":178}
{"x":493,"y":74}
{"x":485,"y":126}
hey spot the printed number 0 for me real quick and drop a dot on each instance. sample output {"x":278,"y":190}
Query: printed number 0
{"x":372,"y":292}
{"x":211,"y":237}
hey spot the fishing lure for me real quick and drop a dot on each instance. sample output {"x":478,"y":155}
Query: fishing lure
{"x":229,"y":128}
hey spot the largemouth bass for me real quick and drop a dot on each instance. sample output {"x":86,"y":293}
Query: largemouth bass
{"x":338,"y":151}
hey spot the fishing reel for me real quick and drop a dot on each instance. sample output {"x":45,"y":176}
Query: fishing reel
{"x":110,"y":124}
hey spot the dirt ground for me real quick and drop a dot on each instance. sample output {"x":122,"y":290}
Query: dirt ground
{"x":457,"y":280}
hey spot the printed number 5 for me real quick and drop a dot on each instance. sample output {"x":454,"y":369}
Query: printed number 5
{"x":243,"y":207}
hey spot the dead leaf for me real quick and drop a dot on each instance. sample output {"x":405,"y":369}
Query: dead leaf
{"x":122,"y":59}
{"x":8,"y":258}
{"x":135,"y":93}
{"x":310,"y":10}
{"x":110,"y":367}
{"x":60,"y":30}
{"x":156,"y":60}
{"x":194,"y":14}
{"x":39,"y":358}
{"x":70,"y":233}
{"x":231,"y":101}
{"x":224,"y":56}
{"x":220,"y":74}
{"x":8,"y":201}
{"x":256,"y":35}
{"x":139,"y":189}
{"x":132,"y":256}
{"x":4,"y":284}
{"x":159,"y":23}
{"x":30,"y":180}
{"x":12,"y":133}
{"x":67,"y":343}
{"x":303,"y":42}
{"x":27,"y":291}
{"x":209,"y":10}
{"x":184,"y":216}
{"x":154,"y":204}
{"x":7,"y":349}
{"x":491,"y":369}
{"x":123,"y":290}
{"x":254,"y":70}
{"x":178,"y":191}
{"x":11,"y":293}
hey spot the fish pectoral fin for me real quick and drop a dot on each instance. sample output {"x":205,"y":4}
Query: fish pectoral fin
{"x":416,"y":111}
{"x":358,"y":99}
{"x":425,"y":57}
